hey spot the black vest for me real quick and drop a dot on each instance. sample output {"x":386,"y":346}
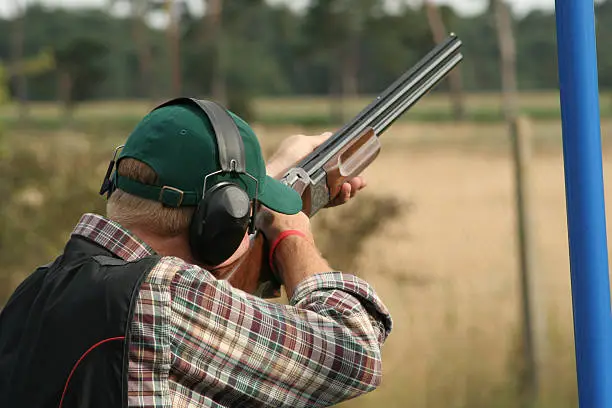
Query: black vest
{"x":64,"y":333}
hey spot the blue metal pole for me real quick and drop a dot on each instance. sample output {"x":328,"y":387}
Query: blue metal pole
{"x":586,"y":217}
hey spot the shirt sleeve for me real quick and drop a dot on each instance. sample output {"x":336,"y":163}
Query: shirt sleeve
{"x":240,"y":350}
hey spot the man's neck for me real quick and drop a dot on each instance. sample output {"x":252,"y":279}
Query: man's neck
{"x":177,"y":246}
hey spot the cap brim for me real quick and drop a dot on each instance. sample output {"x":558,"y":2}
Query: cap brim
{"x":280,"y":197}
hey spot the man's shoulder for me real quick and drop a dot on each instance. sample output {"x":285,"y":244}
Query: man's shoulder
{"x":170,"y":269}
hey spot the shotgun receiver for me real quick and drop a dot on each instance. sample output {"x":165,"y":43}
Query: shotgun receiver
{"x":319,"y":176}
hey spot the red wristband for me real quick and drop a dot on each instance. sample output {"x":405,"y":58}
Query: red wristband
{"x":277,"y":241}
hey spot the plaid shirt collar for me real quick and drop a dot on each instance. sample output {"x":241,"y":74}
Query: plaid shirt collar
{"x":112,"y":236}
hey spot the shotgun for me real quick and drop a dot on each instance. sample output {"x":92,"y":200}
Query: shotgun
{"x":319,"y":176}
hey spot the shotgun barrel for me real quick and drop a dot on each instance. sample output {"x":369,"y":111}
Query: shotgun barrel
{"x":400,"y":96}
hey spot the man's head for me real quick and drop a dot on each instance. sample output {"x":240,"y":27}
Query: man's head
{"x":161,"y":171}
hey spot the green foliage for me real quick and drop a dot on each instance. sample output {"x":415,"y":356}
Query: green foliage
{"x":81,"y":61}
{"x":271,"y":50}
{"x":63,"y":32}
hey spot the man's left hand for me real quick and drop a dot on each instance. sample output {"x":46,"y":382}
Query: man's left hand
{"x":294,"y":149}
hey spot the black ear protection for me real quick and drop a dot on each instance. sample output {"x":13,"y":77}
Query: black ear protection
{"x":225,"y":212}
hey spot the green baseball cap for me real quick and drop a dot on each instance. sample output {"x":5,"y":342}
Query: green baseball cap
{"x":179,"y":144}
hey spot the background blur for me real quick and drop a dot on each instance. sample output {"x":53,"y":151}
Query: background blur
{"x":436,"y":231}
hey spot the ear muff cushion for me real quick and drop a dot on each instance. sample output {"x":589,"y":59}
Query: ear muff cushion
{"x":219,"y":223}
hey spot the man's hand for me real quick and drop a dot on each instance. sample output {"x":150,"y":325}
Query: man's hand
{"x":294,"y":149}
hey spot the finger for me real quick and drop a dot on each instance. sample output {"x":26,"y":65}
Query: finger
{"x":363,"y":182}
{"x":353,"y":190}
{"x":357,"y":184}
{"x":340,"y":198}
{"x":345,"y":193}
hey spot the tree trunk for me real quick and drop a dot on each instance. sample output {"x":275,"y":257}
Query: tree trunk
{"x":350,"y":79}
{"x":348,"y":74}
{"x":117,"y":47}
{"x":336,"y":70}
{"x":507,"y":49}
{"x":439,"y":33}
{"x":4,"y":86}
{"x":354,"y":13}
{"x":174,"y":46}
{"x":214,"y":20}
{"x":145,"y":57}
{"x":65,"y":93}
{"x":18,"y":46}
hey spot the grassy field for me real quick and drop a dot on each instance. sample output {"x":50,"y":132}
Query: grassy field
{"x":482,"y":107}
{"x":434,"y":233}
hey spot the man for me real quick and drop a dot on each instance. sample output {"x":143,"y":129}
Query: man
{"x":129,"y":315}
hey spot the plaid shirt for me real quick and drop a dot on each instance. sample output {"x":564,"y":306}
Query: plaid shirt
{"x":198,"y":342}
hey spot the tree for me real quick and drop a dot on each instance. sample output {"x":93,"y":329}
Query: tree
{"x":334,"y":28}
{"x":237,"y":54}
{"x":176,"y":10}
{"x":214,"y":20}
{"x":4,"y":93}
{"x":439,"y":32}
{"x":18,"y":46}
{"x":537,"y":52}
{"x":81,"y":69}
{"x":139,"y":9}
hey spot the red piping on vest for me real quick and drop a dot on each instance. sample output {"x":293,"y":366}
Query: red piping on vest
{"x":81,"y":359}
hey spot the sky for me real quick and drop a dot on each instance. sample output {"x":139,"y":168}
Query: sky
{"x":8,"y":7}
